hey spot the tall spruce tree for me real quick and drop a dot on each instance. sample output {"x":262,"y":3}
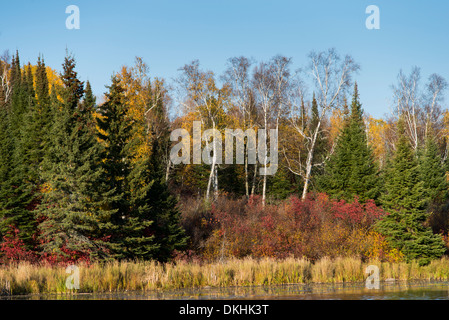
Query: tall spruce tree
{"x":168,"y":232}
{"x":405,"y":202}
{"x":18,"y":191}
{"x":432,"y":172}
{"x":125,"y":178}
{"x":30,"y":133}
{"x":6,"y":149}
{"x":6,"y":152}
{"x":25,"y":172}
{"x":146,"y":216}
{"x":74,"y":204}
{"x":351,"y":170}
{"x":18,"y":99}
{"x":44,"y":114}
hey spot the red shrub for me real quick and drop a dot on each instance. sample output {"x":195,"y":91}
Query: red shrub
{"x":13,"y":249}
{"x":67,"y":257}
{"x":355,"y":213}
{"x":314,"y":227}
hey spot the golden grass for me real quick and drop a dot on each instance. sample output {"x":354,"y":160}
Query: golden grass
{"x":117,"y":276}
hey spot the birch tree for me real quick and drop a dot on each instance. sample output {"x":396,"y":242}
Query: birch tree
{"x":433,"y":98}
{"x":331,"y":76}
{"x":271,"y":81}
{"x":420,"y":108}
{"x":406,"y":95}
{"x":237,"y":76}
{"x":199,"y":94}
{"x":5,"y":83}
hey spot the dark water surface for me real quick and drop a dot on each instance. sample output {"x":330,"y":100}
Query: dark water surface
{"x":423,"y":290}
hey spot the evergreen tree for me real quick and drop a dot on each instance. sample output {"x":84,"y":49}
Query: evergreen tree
{"x":30,"y":132}
{"x":125,"y":178}
{"x":42,"y":85}
{"x":405,"y":201}
{"x":168,"y":232}
{"x":5,"y":146}
{"x":25,"y":172}
{"x":6,"y":152}
{"x":74,"y":205}
{"x":18,"y":191}
{"x":231,"y":179}
{"x":351,"y":170}
{"x":89,"y":103}
{"x":6,"y":149}
{"x":432,"y":172}
{"x":282,"y":184}
{"x":44,"y":114}
{"x":146,"y":216}
{"x":18,"y":99}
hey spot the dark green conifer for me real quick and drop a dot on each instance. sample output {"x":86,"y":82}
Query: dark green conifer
{"x":146,"y":216}
{"x":74,"y":205}
{"x":351,"y":170}
{"x":404,"y":199}
{"x":125,"y":178}
{"x":18,"y":194}
{"x":168,"y":232}
{"x":432,"y":172}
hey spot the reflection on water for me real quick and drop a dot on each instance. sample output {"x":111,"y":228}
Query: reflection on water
{"x":388,"y":291}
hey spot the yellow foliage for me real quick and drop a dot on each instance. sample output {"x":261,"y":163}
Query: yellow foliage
{"x":376,"y":133}
{"x":379,"y":248}
{"x":336,"y":124}
{"x":54,"y":79}
{"x":137,"y":97}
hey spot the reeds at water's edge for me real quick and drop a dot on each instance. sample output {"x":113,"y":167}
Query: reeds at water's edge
{"x":24,"y":278}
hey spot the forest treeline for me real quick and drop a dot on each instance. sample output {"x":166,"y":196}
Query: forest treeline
{"x":88,"y":181}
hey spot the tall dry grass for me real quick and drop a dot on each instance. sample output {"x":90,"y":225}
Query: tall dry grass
{"x":25,"y":278}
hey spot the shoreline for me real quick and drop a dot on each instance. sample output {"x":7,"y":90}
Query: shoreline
{"x":140,"y":276}
{"x":275,"y":291}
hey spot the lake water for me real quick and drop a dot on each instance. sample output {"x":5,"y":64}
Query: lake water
{"x":423,"y":290}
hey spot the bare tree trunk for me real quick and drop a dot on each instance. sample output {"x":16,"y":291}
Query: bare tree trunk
{"x":253,"y":188}
{"x":307,"y":175}
{"x":213,"y":176}
{"x":264,"y":188}
{"x":216,"y":181}
{"x":246,"y":173}
{"x":167,"y":170}
{"x":211,"y":179}
{"x":309,"y":163}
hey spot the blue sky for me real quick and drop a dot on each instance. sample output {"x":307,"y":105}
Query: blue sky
{"x":168,"y":34}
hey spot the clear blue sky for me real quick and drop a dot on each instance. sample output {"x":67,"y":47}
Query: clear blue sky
{"x":168,"y":34}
